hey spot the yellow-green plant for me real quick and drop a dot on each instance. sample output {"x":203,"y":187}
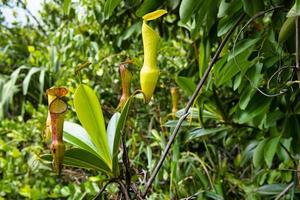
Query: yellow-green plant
{"x":150,"y":72}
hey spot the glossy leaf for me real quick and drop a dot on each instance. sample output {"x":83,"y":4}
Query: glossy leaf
{"x":258,"y":156}
{"x":27,"y":79}
{"x":109,"y":7}
{"x":200,"y":132}
{"x":77,"y":136}
{"x":81,"y":158}
{"x":89,"y":112}
{"x":270,"y":150}
{"x":114,"y":132}
{"x":186,"y":83}
{"x":186,"y":9}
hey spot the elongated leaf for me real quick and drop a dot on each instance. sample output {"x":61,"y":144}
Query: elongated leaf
{"x":26,"y":80}
{"x":258,"y":155}
{"x":77,"y":136}
{"x":81,"y":158}
{"x":186,"y":83}
{"x":186,"y":9}
{"x":270,"y":150}
{"x":89,"y":112}
{"x":109,"y":7}
{"x":114,"y":131}
{"x":66,"y":6}
{"x":111,"y":130}
{"x":272,"y":189}
{"x":200,"y":132}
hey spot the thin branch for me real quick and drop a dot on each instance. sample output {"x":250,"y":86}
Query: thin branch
{"x":126,"y":163}
{"x":297,"y":49}
{"x":97,"y":197}
{"x":285,"y":191}
{"x":123,"y":189}
{"x":188,"y":106}
{"x":33,"y":17}
{"x":289,"y":154}
{"x":257,"y":15}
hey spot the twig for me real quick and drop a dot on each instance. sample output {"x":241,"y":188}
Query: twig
{"x":97,"y":197}
{"x":289,"y":154}
{"x":297,"y":49}
{"x":284,"y":191}
{"x":257,"y":15}
{"x":123,"y":189}
{"x":33,"y":17}
{"x":188,"y":106}
{"x":126,"y":163}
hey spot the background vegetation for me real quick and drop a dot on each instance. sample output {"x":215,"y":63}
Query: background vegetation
{"x":241,"y":139}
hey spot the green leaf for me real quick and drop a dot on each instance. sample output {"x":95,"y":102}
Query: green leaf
{"x":186,"y":84}
{"x":114,"y":132}
{"x":243,"y":46}
{"x":295,"y":10}
{"x":186,"y":9}
{"x":111,"y":130}
{"x":109,"y":7}
{"x":270,"y":150}
{"x":26,"y":80}
{"x":272,"y":189}
{"x":200,"y":132}
{"x":89,"y":112}
{"x":66,"y":6}
{"x":287,"y":30}
{"x":258,"y":155}
{"x":77,"y":136}
{"x":229,"y":7}
{"x":258,"y":105}
{"x":251,"y":7}
{"x":83,"y":159}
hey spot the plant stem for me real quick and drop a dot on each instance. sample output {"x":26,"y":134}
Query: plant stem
{"x":297,"y":49}
{"x":188,"y":106}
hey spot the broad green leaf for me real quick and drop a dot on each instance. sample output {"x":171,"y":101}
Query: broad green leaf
{"x":42,"y":83}
{"x":258,"y":156}
{"x":89,"y":112}
{"x":258,"y":105}
{"x":111,"y":130}
{"x":297,"y":7}
{"x":77,"y":136}
{"x":251,"y":7}
{"x":109,"y":7}
{"x":154,"y":15}
{"x":186,"y":84}
{"x":66,"y":6}
{"x":270,"y":150}
{"x":114,"y":132}
{"x":295,"y":10}
{"x":186,"y":9}
{"x":200,"y":132}
{"x":83,"y":159}
{"x":27,"y":79}
{"x":287,"y":30}
{"x":242,"y":46}
{"x":225,"y":24}
{"x":229,"y":7}
{"x":272,"y":189}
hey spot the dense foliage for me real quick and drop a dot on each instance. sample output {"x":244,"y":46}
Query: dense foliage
{"x":241,"y":139}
